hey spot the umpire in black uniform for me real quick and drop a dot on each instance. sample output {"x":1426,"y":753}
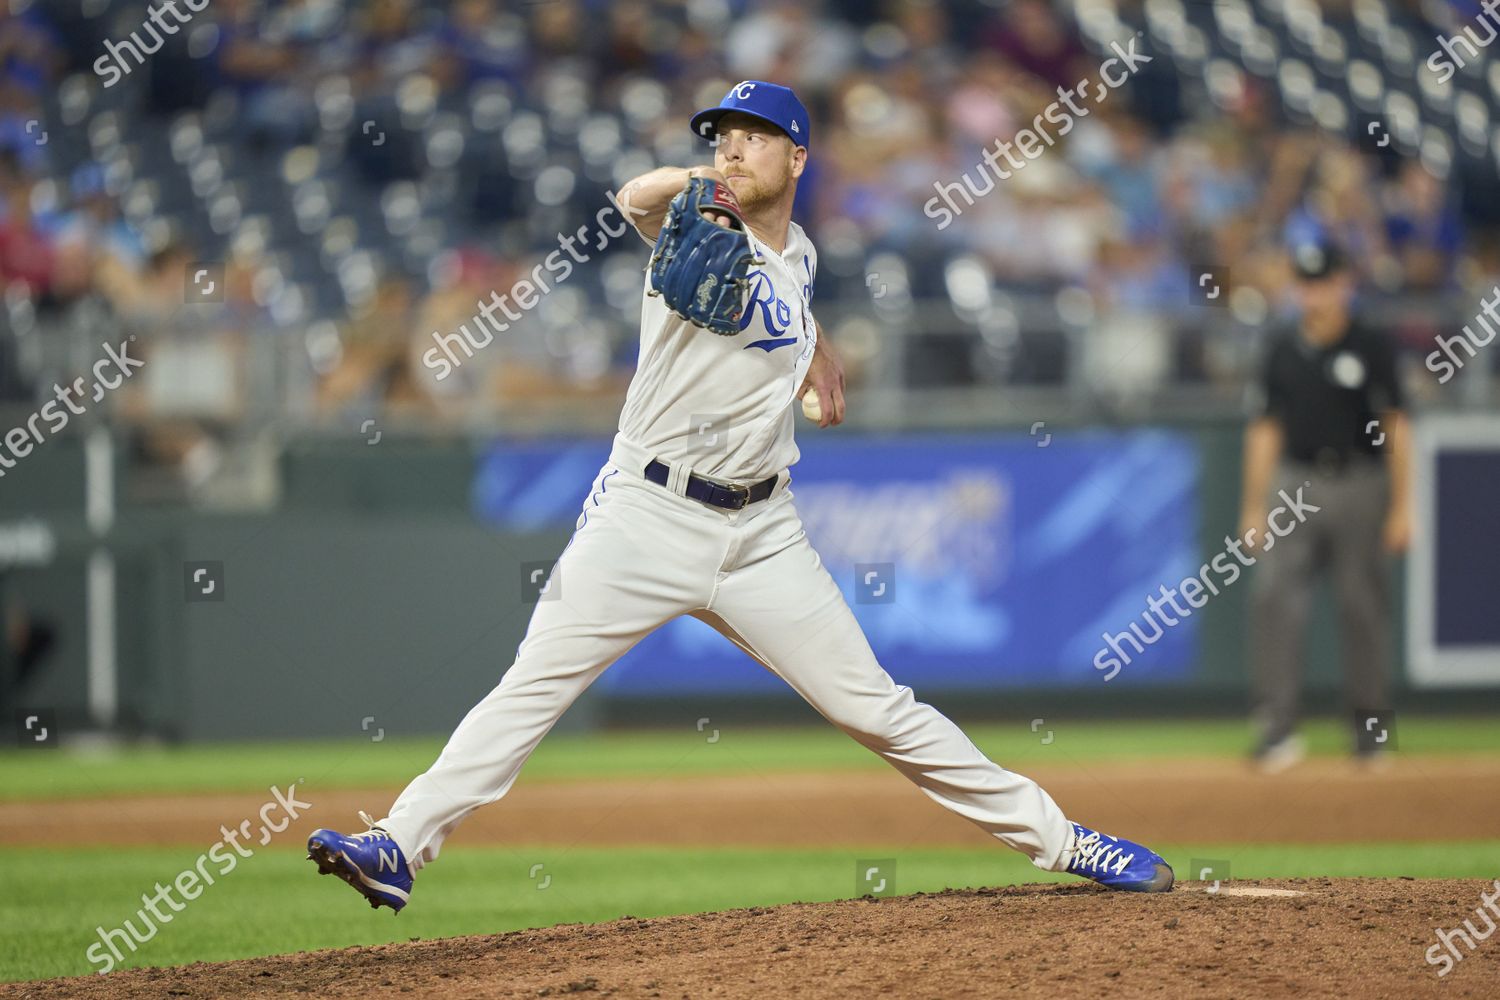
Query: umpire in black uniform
{"x":1331,"y":422}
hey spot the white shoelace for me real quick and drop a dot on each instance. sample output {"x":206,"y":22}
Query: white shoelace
{"x":1093,"y":853}
{"x":372,"y":832}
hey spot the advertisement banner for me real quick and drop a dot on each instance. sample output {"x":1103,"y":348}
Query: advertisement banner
{"x":972,"y":562}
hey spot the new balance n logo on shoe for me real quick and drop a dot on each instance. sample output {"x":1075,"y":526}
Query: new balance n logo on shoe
{"x":370,"y":862}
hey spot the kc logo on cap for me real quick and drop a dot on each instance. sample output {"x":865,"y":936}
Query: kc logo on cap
{"x":770,"y":102}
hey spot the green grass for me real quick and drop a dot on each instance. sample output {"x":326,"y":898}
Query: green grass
{"x":273,"y":903}
{"x":33,"y":774}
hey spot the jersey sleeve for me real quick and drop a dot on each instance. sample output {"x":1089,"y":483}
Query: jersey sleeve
{"x":1268,"y":395}
{"x":1385,"y":382}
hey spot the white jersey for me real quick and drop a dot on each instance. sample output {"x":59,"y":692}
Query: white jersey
{"x":722,"y":405}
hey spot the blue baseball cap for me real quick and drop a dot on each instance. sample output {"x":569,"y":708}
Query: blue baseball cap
{"x":767,"y":101}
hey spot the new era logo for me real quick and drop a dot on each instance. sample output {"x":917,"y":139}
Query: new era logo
{"x":795,"y":128}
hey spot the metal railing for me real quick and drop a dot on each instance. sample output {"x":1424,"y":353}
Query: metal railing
{"x":914,"y":365}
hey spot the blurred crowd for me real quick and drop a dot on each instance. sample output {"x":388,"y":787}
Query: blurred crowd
{"x":904,"y":94}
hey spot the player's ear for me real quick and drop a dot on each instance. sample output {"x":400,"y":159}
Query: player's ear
{"x":799,"y":161}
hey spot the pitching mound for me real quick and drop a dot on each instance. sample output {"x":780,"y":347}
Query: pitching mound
{"x":1312,"y":938}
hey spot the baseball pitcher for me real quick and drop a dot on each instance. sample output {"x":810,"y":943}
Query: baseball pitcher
{"x":691,"y":515}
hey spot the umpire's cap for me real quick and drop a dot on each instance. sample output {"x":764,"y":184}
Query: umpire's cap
{"x":1317,"y":259}
{"x":767,"y":101}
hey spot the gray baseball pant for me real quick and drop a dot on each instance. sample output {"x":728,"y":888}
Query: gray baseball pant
{"x":1341,"y":541}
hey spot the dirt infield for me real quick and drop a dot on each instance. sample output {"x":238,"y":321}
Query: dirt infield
{"x":1322,"y":801}
{"x":1325,"y":938}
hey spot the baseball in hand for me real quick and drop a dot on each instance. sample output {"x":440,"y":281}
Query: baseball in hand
{"x":812,"y":406}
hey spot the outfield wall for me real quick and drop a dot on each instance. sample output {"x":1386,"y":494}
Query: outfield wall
{"x":388,"y":591}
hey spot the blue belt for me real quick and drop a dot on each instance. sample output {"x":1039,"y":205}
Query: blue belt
{"x":729,"y":496}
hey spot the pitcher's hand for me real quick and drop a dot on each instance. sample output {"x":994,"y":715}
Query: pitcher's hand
{"x":826,"y":374}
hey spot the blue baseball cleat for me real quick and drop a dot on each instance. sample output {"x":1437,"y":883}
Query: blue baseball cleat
{"x":1116,"y":863}
{"x":369,"y":861}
